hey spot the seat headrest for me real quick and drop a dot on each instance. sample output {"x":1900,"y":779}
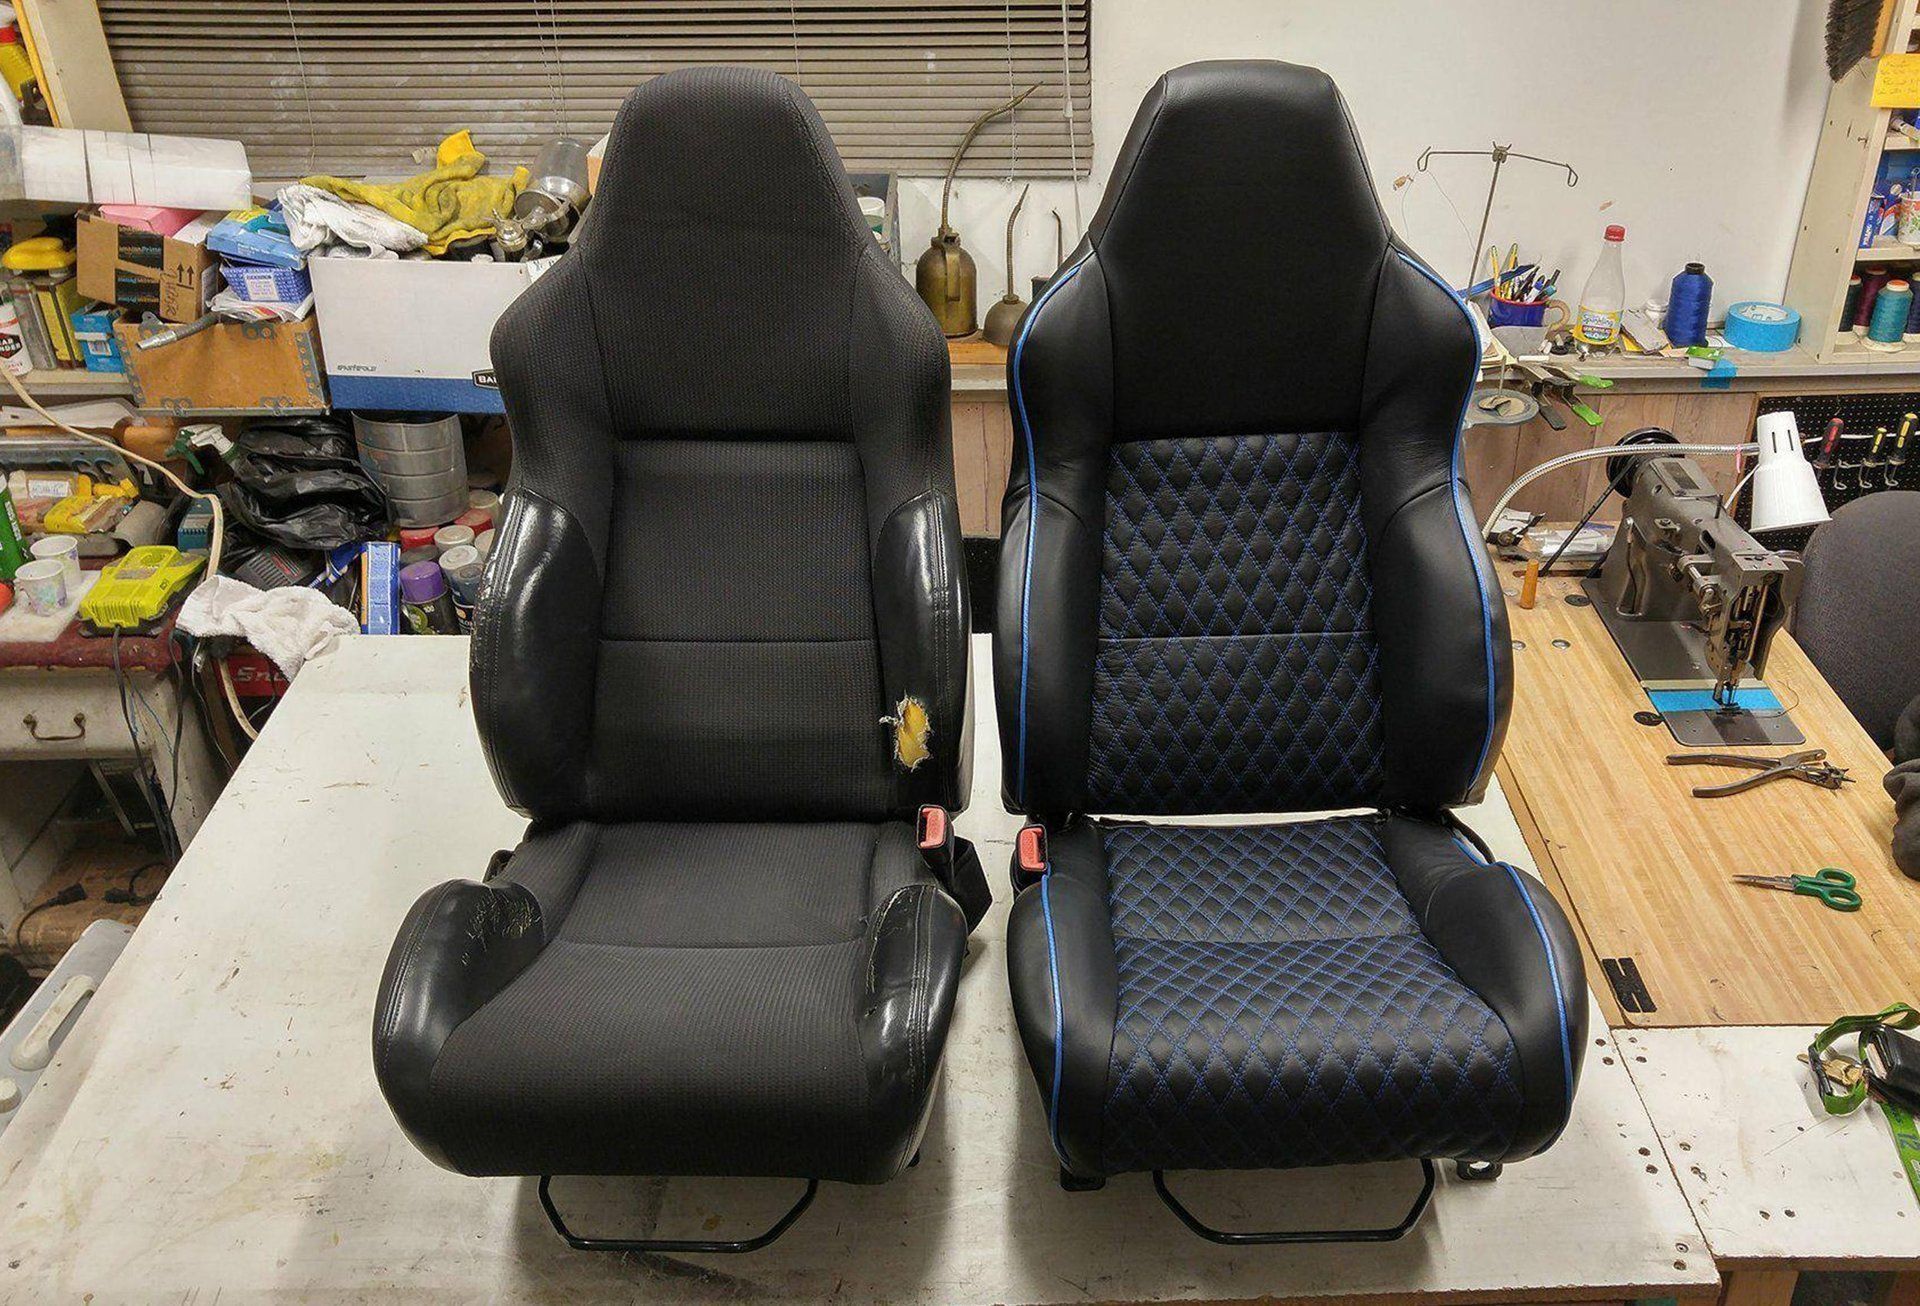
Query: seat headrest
{"x":1240,"y":231}
{"x":720,"y":252}
{"x":719,"y":146}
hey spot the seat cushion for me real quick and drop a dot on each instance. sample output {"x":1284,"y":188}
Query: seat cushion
{"x":1277,"y":1000}
{"x":705,"y":1003}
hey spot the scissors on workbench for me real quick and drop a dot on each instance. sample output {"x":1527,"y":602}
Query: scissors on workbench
{"x":1830,"y":885}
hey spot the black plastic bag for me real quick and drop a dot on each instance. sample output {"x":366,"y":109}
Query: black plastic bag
{"x":297,"y":482}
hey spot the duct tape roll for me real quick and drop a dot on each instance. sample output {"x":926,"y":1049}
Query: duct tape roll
{"x":1762,"y":328}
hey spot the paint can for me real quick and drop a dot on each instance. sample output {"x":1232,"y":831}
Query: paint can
{"x":453,"y":536}
{"x":425,"y":602}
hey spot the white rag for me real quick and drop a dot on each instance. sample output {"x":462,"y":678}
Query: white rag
{"x":289,"y":624}
{"x":316,"y":217}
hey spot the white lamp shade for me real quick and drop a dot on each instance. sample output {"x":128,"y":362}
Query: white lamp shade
{"x":1786,"y":492}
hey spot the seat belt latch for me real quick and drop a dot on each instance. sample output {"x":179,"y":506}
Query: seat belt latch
{"x":934,"y":832}
{"x":1030,"y":851}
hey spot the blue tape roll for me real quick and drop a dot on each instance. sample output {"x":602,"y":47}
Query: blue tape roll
{"x":1762,"y":328}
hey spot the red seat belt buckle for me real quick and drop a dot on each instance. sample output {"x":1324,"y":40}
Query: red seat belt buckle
{"x":933,"y":831}
{"x":934,"y":828}
{"x":1031,"y":850}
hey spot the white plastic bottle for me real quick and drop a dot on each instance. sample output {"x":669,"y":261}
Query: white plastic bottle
{"x":1604,"y":298}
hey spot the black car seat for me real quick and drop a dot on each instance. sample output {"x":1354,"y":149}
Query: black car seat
{"x":721,"y":664}
{"x":1240,"y":576}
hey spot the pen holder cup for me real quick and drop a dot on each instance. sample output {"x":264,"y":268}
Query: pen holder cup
{"x":1511,"y":312}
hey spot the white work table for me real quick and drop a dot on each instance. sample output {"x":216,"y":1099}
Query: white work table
{"x":1777,"y":1185}
{"x":212,"y":1128}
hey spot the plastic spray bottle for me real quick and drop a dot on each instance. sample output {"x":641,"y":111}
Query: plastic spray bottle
{"x":1604,"y":297}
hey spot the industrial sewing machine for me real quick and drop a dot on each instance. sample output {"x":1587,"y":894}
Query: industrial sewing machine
{"x":1693,"y":601}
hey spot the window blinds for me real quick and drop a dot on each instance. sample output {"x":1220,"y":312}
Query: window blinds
{"x":370,"y":86}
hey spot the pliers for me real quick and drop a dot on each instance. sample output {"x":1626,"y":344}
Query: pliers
{"x":1810,"y":765}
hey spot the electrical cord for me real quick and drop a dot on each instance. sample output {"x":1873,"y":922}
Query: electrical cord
{"x":72,"y":893}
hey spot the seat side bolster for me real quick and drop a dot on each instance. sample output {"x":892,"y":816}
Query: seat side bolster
{"x":920,"y":613}
{"x":915,"y":943}
{"x":533,"y":692}
{"x":461,"y":944}
{"x":1061,"y":966}
{"x":1507,"y":939}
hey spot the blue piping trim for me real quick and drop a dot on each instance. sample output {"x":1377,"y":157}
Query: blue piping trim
{"x":1469,"y":849}
{"x":1475,"y":549}
{"x":1553,"y":973}
{"x":1059,"y":1047}
{"x":1033,"y":519}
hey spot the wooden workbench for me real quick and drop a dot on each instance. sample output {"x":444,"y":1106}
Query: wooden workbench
{"x":1647,"y":868}
{"x":212,"y":1129}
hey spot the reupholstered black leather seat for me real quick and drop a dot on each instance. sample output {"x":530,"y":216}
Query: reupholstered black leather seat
{"x":730,"y":549}
{"x":1240,"y":576}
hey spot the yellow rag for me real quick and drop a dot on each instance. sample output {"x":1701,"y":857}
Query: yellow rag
{"x":450,"y":204}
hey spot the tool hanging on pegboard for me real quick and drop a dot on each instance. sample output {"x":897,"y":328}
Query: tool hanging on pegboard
{"x":1863,"y":444}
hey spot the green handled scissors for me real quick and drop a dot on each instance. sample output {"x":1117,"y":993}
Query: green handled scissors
{"x":1830,"y":885}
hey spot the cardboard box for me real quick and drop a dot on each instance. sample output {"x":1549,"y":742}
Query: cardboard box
{"x":233,"y":369}
{"x":412,"y":335}
{"x":137,"y":270}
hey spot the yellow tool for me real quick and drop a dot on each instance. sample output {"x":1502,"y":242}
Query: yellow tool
{"x":138,"y":588}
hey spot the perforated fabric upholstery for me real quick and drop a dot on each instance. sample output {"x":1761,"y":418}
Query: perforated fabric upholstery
{"x":729,"y":551}
{"x":1236,"y":668}
{"x":696,"y":1009}
{"x":1278,"y":1006}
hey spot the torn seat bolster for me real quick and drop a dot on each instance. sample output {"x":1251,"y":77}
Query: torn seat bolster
{"x":461,"y":943}
{"x":920,"y":614}
{"x":1507,"y":939}
{"x":915,"y":943}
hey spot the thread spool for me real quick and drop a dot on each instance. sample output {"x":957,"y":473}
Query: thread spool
{"x":1851,"y":309}
{"x":1913,"y":320}
{"x":1870,"y":282}
{"x":1687,"y":305}
{"x":1888,"y":326}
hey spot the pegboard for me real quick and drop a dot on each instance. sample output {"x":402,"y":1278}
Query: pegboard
{"x":1864,"y":415}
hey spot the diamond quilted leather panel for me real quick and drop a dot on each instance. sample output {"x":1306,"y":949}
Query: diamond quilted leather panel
{"x":1241,"y":723}
{"x":1293,"y":883}
{"x":1234,"y":535}
{"x":1236,"y":666}
{"x":1245,"y":1056}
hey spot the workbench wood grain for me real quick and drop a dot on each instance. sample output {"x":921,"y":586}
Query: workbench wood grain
{"x":212,"y":1129}
{"x":1647,"y":868}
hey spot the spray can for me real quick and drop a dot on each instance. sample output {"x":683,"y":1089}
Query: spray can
{"x":13,"y":550}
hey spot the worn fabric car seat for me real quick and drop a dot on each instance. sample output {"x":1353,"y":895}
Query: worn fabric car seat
{"x":721,"y":664}
{"x":1240,"y":575}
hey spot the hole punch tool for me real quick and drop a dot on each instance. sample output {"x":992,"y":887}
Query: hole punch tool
{"x":1810,"y":765}
{"x":1831,"y":885}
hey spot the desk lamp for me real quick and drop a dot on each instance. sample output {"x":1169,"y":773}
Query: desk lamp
{"x":1691,"y":599}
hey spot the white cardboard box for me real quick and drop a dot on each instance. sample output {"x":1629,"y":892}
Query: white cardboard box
{"x":57,"y":166}
{"x":412,"y":334}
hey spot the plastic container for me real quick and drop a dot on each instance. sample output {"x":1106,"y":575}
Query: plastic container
{"x":13,"y":340}
{"x":13,"y":548}
{"x":424,"y":600}
{"x":1604,"y":298}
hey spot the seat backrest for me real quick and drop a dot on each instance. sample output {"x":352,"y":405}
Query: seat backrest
{"x":1240,"y":571}
{"x":1858,"y":616}
{"x":730,"y":547}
